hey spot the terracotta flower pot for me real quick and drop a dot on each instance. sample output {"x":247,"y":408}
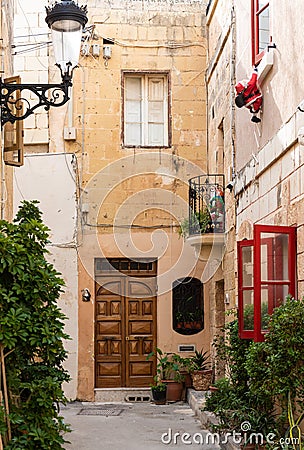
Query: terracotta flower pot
{"x":213,"y":388}
{"x":187,"y":378}
{"x":174,"y":390}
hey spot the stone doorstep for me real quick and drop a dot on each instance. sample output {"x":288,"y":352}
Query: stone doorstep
{"x":122,"y":395}
{"x":196,"y":401}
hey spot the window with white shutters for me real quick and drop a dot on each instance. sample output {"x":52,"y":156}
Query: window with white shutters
{"x":146,"y":110}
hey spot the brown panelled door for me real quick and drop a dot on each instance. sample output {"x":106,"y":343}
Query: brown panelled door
{"x":125,"y":328}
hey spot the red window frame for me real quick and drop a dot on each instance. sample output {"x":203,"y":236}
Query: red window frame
{"x":255,"y":13}
{"x":243,"y":333}
{"x":273,"y":283}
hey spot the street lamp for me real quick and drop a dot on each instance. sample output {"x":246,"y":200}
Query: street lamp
{"x":66,"y":21}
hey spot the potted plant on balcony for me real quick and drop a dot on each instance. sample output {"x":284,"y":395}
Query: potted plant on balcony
{"x":200,"y":222}
{"x":205,"y":220}
{"x":201,"y":372}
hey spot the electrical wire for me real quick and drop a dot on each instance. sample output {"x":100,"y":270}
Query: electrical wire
{"x":143,"y":227}
{"x":34,"y":35}
{"x":30,"y":43}
{"x":36,"y":47}
{"x":172,"y":45}
{"x":30,"y":28}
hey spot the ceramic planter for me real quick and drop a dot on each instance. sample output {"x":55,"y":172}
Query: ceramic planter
{"x":159,"y":396}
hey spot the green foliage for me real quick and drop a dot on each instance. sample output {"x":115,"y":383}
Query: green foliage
{"x":276,"y":366}
{"x":223,"y":399}
{"x":31,"y":333}
{"x":233,"y":402}
{"x":265,"y":379}
{"x":159,"y":387}
{"x":231,"y":350}
{"x":168,"y":366}
{"x":199,"y":222}
{"x":249,"y":313}
{"x":200,"y":360}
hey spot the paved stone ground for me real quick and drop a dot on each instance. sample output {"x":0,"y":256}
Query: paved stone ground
{"x":140,"y":426}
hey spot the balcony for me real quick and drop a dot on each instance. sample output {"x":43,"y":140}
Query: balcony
{"x":206,"y":230}
{"x":206,"y":204}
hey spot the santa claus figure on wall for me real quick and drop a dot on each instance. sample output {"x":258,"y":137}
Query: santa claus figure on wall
{"x":249,"y":95}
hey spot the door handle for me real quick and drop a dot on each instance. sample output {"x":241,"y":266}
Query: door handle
{"x":138,"y":338}
{"x":143,"y":338}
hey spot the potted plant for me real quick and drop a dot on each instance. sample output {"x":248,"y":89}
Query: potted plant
{"x":159,"y":392}
{"x":168,"y":371}
{"x":197,"y":319}
{"x":199,"y":222}
{"x":174,"y":378}
{"x":188,"y":317}
{"x":201,"y":372}
{"x":205,"y":220}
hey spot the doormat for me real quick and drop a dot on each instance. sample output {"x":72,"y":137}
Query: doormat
{"x":99,"y":412}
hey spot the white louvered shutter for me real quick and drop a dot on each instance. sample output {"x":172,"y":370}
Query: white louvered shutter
{"x":156,"y":135}
{"x":133,"y":111}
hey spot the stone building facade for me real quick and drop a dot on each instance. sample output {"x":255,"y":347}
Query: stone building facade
{"x":263,"y":160}
{"x":116,"y":162}
{"x":269,"y":161}
{"x":153,"y":106}
{"x":137,"y":180}
{"x":220,"y":80}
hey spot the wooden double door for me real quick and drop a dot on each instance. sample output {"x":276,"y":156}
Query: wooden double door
{"x":125,"y":331}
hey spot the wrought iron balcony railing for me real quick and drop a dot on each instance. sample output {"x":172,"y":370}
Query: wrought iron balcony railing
{"x":206,"y":204}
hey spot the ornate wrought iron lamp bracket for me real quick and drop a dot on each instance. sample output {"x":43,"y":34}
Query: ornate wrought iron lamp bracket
{"x":66,"y":21}
{"x":14,"y":106}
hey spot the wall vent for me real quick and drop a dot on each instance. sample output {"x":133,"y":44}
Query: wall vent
{"x":138,"y":398}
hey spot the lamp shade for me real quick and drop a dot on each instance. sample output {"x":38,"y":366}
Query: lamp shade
{"x":66,"y":21}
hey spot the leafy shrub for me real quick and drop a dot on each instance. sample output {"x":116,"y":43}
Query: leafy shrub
{"x":265,"y":379}
{"x":276,"y":366}
{"x":31,"y":335}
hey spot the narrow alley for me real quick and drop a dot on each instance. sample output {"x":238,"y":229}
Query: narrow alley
{"x":135,"y":426}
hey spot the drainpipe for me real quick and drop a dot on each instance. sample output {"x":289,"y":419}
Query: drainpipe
{"x":232,"y":84}
{"x":2,"y":181}
{"x":233,"y":130}
{"x":207,"y":102}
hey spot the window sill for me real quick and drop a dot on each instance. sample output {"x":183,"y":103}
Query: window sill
{"x":266,"y":64}
{"x":144,"y":147}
